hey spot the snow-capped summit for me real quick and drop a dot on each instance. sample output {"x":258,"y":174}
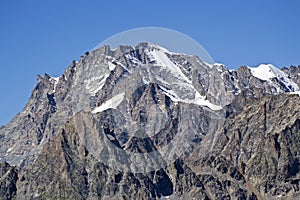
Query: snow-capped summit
{"x":269,"y":72}
{"x":264,"y":71}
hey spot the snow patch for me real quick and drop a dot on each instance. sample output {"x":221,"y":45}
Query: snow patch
{"x":94,"y":84}
{"x":119,"y":63}
{"x":219,"y":64}
{"x":297,"y":92}
{"x":171,"y":197}
{"x":113,"y":103}
{"x":198,"y":100}
{"x":133,"y":59}
{"x":211,"y":65}
{"x":54,"y":80}
{"x":9,"y":149}
{"x":111,"y":66}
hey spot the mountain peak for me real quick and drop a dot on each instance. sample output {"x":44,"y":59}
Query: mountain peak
{"x":264,"y":71}
{"x":115,"y":115}
{"x":269,"y":72}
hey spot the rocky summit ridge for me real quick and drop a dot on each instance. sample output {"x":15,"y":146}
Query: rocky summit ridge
{"x":146,"y":123}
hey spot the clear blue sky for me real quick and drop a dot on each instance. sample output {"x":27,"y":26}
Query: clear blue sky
{"x":39,"y":36}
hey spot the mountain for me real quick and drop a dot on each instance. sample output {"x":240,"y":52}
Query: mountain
{"x":146,"y":123}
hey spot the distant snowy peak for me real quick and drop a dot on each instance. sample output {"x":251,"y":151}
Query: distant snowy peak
{"x":265,"y":71}
{"x":268,"y":71}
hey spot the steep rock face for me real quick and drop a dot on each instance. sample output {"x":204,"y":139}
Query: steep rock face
{"x":8,"y":180}
{"x":294,"y":73}
{"x":252,"y":158}
{"x":26,"y":131}
{"x":145,"y":123}
{"x":262,"y":143}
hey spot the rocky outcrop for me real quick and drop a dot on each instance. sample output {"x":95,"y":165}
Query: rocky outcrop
{"x":8,"y":181}
{"x":293,"y":72}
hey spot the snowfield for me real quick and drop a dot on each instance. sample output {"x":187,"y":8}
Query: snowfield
{"x":110,"y":103}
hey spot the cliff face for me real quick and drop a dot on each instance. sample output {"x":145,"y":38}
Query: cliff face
{"x":145,"y":123}
{"x":293,"y":72}
{"x":254,"y":157}
{"x":262,"y":143}
{"x":8,"y":180}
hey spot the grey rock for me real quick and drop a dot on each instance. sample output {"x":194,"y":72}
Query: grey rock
{"x":151,"y":139}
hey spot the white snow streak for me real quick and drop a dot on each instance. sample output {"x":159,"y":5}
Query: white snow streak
{"x":96,"y":83}
{"x":111,"y":66}
{"x":175,"y":79}
{"x":9,"y":149}
{"x":162,"y":59}
{"x":298,"y":93}
{"x":54,"y":80}
{"x":198,"y":100}
{"x":110,"y":103}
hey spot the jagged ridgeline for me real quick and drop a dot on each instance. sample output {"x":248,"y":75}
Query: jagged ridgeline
{"x":146,"y":123}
